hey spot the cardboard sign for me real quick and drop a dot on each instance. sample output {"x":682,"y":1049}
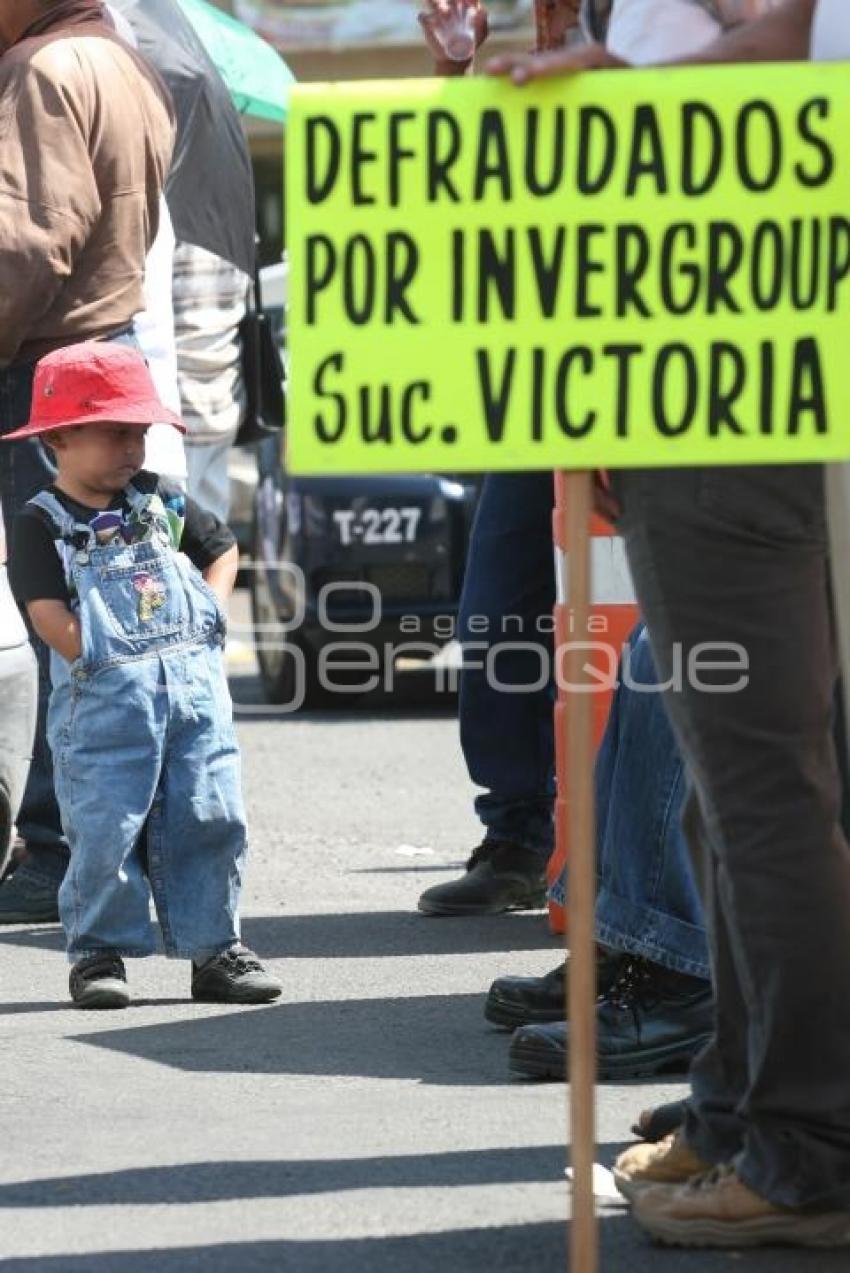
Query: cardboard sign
{"x":619,"y":269}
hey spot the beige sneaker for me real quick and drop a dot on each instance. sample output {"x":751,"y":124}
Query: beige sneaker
{"x":719,"y":1210}
{"x":669,"y":1162}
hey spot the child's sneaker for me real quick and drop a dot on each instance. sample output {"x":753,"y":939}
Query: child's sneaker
{"x":99,"y":981}
{"x":234,"y":976}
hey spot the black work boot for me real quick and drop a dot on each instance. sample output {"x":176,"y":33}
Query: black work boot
{"x":650,"y":1021}
{"x":500,"y":876}
{"x":515,"y":1001}
{"x":28,"y":897}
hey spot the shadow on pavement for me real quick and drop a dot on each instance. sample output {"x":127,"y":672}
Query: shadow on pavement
{"x":224,"y":1182}
{"x":625,"y":1249}
{"x":361,"y":935}
{"x":408,"y":870}
{"x":43,"y":938}
{"x":363,"y":1038}
{"x":14,"y":1009}
{"x":535,"y":1246}
{"x":539,"y":1247}
{"x":370,"y":934}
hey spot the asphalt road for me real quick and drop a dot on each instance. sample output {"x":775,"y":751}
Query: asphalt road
{"x":364,"y":1123}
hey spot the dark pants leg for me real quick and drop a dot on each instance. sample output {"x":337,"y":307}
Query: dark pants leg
{"x":508,"y":596}
{"x":740,"y":556}
{"x":25,"y":469}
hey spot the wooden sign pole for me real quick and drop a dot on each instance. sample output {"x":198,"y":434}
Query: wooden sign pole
{"x":581,"y":874}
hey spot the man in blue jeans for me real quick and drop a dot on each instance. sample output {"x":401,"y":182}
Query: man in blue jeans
{"x":80,"y":210}
{"x":653,"y":967}
{"x":656,"y":1011}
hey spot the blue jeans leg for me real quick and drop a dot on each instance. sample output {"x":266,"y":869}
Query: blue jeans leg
{"x":648,"y":902}
{"x":506,"y":698}
{"x":197,"y":838}
{"x":107,"y":733}
{"x":26,"y":469}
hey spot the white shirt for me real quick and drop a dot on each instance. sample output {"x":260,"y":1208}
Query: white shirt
{"x":831,"y":31}
{"x":154,"y":330}
{"x":644,"y":31}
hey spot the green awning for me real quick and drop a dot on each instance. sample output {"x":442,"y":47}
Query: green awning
{"x":256,"y":75}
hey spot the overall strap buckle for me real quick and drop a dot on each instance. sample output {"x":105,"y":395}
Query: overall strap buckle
{"x":76,"y":534}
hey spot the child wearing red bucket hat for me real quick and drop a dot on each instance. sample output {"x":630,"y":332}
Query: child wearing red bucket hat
{"x":125,"y":578}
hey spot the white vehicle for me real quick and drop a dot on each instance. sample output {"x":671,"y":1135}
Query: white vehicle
{"x":18,"y":699}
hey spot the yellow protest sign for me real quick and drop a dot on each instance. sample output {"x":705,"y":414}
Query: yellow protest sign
{"x":641,"y":268}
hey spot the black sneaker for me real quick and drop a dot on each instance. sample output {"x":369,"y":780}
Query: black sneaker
{"x":651,"y":1021}
{"x":515,"y":1001}
{"x":99,"y":981}
{"x":500,"y":876}
{"x":234,"y":976}
{"x":27,"y":897}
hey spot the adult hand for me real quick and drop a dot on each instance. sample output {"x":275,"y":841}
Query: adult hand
{"x":522,"y":68}
{"x":553,"y":21}
{"x":454,"y":31}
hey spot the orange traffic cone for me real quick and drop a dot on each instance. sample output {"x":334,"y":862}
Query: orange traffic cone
{"x":613,"y":614}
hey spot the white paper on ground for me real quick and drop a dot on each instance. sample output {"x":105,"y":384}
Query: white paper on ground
{"x":604,"y":1188}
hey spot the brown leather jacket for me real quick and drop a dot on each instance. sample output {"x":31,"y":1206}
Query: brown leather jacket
{"x":86,"y":135}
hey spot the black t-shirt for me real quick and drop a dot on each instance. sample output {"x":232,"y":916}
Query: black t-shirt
{"x":35,"y":568}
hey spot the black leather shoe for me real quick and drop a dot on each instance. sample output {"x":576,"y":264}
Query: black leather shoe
{"x":499,"y":877}
{"x":515,"y":1001}
{"x":651,"y":1021}
{"x":660,"y":1122}
{"x":27,"y":897}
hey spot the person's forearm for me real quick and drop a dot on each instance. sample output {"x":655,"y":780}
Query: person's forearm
{"x":221,"y":574}
{"x":58,"y":627}
{"x":780,"y":36}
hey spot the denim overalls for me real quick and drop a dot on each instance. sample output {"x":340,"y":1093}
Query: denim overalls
{"x":146,"y":762}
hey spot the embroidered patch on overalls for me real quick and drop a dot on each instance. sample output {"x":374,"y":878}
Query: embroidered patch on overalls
{"x":151,"y":595}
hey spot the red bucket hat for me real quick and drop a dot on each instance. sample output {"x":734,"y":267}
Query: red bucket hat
{"x":94,"y":382}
